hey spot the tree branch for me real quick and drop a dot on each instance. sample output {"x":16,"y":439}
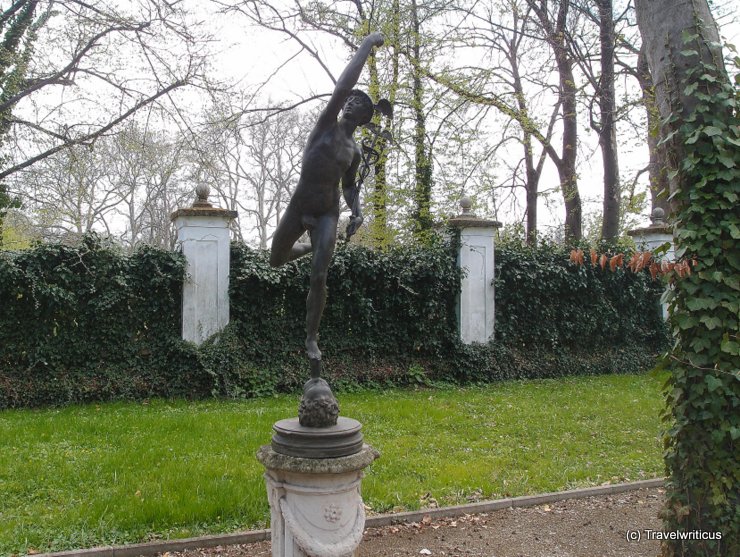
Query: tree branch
{"x":91,"y":136}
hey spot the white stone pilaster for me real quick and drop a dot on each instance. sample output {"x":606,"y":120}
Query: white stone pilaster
{"x":476,"y":301}
{"x":655,"y":236}
{"x":203,"y":237}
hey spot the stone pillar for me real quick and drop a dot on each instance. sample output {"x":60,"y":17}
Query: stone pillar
{"x":652,"y":237}
{"x":316,"y":507}
{"x":203,"y":237}
{"x":656,"y":235}
{"x":476,"y":304}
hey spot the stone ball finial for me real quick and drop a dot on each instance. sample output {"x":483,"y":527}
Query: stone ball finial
{"x":658,"y":216}
{"x":201,"y":195}
{"x":466,"y":204}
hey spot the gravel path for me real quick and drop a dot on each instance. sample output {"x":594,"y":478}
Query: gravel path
{"x":590,"y":527}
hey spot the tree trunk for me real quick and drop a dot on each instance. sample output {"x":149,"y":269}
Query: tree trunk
{"x":697,"y":103}
{"x":422,"y":214}
{"x":533,"y":173}
{"x":567,"y":167}
{"x":608,"y":131}
{"x":532,"y":187}
{"x":662,"y":23}
{"x":555,"y":35}
{"x":657,"y":172}
{"x":381,"y":234}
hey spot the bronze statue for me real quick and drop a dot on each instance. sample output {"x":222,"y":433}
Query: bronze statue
{"x":331,"y":156}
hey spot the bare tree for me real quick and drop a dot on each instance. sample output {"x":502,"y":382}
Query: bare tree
{"x":554,"y":21}
{"x":126,"y":185}
{"x":601,"y":14}
{"x":67,"y":194}
{"x":518,"y":76}
{"x":145,"y":170}
{"x":607,"y":127}
{"x":72,"y":70}
{"x":252,"y":164}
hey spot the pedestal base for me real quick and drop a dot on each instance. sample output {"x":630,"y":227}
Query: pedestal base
{"x":293,"y":439}
{"x":315,"y":503}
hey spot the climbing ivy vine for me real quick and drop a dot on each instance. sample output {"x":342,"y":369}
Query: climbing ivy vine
{"x":702,"y":417}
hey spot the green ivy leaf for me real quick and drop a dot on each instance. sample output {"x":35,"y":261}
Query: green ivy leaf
{"x":733,"y":281}
{"x":690,"y":89}
{"x":700,"y":344}
{"x":686,"y":320}
{"x":711,"y":322}
{"x":731,"y":196}
{"x":729,"y":162}
{"x":713,"y":383}
{"x":693,"y":138}
{"x":733,"y":258}
{"x":711,"y":131}
{"x":730,"y":346}
{"x":696,"y":304}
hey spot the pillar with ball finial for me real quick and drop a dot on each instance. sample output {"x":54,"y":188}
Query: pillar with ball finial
{"x":203,"y":238}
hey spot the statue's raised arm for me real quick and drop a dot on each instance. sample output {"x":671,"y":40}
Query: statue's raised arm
{"x":349,"y":77}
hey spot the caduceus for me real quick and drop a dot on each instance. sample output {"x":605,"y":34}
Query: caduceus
{"x":331,"y":157}
{"x":370,"y":154}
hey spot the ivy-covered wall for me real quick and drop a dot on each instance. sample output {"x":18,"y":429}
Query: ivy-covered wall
{"x":544,"y":300}
{"x":87,"y":323}
{"x":385,"y":309}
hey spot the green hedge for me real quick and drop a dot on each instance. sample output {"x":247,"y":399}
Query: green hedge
{"x":379,"y":302}
{"x":543,"y":300}
{"x":87,"y":323}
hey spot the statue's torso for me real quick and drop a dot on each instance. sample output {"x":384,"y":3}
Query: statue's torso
{"x":326,"y":159}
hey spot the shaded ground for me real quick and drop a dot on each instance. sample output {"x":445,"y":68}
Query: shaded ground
{"x":591,"y":527}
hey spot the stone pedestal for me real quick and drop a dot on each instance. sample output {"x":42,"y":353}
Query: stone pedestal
{"x":476,"y":303}
{"x":203,"y":237}
{"x":315,"y":503}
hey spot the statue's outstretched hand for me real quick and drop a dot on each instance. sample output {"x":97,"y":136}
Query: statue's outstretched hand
{"x":375,"y":39}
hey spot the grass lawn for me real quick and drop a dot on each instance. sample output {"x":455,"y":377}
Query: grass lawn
{"x":126,"y":472}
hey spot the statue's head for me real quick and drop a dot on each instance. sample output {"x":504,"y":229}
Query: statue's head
{"x":359,"y":107}
{"x":318,"y":406}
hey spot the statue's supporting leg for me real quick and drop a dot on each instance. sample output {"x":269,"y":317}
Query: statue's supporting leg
{"x":323,"y":239}
{"x":318,"y":406}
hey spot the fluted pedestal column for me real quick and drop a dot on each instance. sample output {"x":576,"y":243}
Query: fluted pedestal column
{"x":315,"y":503}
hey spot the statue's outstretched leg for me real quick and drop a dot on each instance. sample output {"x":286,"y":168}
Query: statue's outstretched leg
{"x":284,"y":242}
